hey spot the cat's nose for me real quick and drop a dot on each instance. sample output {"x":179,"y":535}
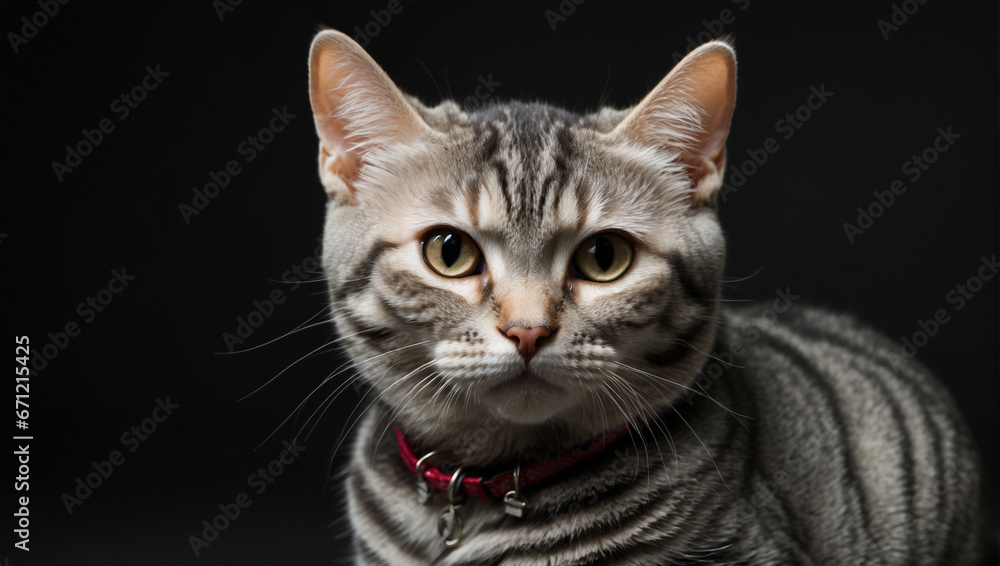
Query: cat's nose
{"x":527,"y":339}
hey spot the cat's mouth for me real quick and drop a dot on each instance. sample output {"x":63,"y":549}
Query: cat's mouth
{"x":528,"y":397}
{"x":527,"y":378}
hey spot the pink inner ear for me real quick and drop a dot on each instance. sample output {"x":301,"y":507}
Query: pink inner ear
{"x":330,"y":73}
{"x":690,"y":110}
{"x":714,"y":89}
{"x":341,"y":162}
{"x":357,"y":108}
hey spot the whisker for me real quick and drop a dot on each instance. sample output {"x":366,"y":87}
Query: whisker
{"x":336,"y":392}
{"x":298,"y":328}
{"x":395,"y":411}
{"x":289,"y":366}
{"x":629,"y":422}
{"x":323,"y":279}
{"x":706,"y":354}
{"x":360,"y":367}
{"x":703,"y":445}
{"x":689,"y":388}
{"x":272,"y":341}
{"x":382,"y":393}
{"x":755,"y":273}
{"x":657,"y":421}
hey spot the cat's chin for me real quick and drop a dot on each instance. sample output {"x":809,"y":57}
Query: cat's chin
{"x":528,"y":399}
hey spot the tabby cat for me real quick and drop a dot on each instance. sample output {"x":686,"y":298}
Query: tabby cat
{"x":535,"y":291}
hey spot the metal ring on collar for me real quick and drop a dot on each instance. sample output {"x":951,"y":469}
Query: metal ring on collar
{"x":422,"y":461}
{"x":454,"y":488}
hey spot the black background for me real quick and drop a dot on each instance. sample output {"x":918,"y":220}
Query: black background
{"x":162,"y":336}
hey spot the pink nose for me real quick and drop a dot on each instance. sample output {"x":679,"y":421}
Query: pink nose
{"x":527,"y":339}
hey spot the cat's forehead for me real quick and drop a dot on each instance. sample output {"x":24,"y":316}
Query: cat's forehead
{"x":528,"y":173}
{"x":523,"y":162}
{"x":529,"y":168}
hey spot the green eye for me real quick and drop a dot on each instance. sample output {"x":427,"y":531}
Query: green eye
{"x":604,"y":257}
{"x":451,"y":253}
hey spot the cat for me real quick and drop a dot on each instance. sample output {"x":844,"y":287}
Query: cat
{"x":533,"y":297}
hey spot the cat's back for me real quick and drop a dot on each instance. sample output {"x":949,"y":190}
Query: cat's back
{"x":859,"y":449}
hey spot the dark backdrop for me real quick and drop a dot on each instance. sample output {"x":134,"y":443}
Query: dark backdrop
{"x":891,"y":93}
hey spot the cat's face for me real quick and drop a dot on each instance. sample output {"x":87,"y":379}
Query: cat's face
{"x":555,"y":269}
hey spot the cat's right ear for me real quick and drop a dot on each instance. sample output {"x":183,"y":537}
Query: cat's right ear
{"x":357,"y":109}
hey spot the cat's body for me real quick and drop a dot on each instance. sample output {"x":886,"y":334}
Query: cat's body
{"x":515,"y":281}
{"x":758,"y":491}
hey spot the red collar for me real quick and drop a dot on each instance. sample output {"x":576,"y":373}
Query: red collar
{"x":495,"y":487}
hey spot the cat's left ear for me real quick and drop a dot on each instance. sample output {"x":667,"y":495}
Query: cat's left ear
{"x":358,"y":110}
{"x":689,"y":111}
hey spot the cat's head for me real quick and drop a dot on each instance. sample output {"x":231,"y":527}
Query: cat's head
{"x":559,"y":271}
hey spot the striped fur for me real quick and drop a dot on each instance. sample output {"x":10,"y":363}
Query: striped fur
{"x":760,"y":436}
{"x":818,"y":451}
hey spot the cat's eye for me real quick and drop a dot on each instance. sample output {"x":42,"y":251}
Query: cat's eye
{"x":452,"y":253}
{"x":603,"y":257}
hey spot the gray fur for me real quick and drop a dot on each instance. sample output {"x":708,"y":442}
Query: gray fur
{"x":809,"y":444}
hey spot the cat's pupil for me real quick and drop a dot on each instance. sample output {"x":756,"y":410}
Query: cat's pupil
{"x":604,"y":253}
{"x":451,"y":249}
